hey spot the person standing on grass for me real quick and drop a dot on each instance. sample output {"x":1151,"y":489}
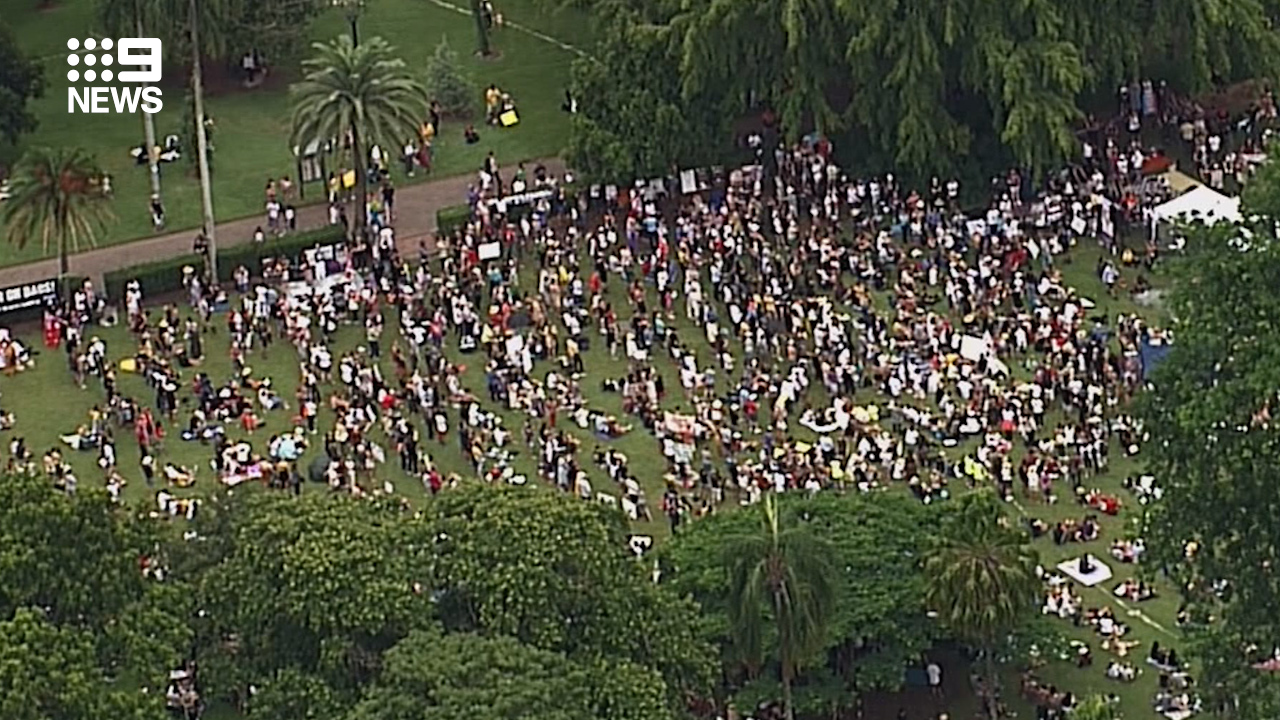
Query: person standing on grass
{"x":934,"y":671}
{"x":157,"y":213}
{"x":373,"y":334}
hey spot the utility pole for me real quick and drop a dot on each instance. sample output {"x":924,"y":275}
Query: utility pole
{"x":482,"y":28}
{"x":202,"y":142}
{"x":149,"y":131}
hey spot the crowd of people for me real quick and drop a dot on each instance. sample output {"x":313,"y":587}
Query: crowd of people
{"x":792,"y":329}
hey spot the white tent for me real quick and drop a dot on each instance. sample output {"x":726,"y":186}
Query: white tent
{"x":1200,"y":203}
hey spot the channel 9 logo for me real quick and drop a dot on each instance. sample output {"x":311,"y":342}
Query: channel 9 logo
{"x":144,"y":53}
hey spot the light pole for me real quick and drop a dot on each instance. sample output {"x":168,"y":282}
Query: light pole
{"x":352,"y":9}
{"x":482,"y":28}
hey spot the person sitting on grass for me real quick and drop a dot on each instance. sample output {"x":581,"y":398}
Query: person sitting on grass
{"x":470,"y":135}
{"x":1124,"y":672}
{"x":179,"y":476}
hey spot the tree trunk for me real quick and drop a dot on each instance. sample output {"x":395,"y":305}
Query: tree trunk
{"x":989,"y":665}
{"x":784,"y":651}
{"x":482,"y":28}
{"x":362,"y":183}
{"x":354,"y":19}
{"x":202,"y":142}
{"x":149,"y":130}
{"x":64,"y":268}
{"x":787,"y":704}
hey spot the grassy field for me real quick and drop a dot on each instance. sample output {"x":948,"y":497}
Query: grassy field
{"x":251,"y":126}
{"x":48,"y":404}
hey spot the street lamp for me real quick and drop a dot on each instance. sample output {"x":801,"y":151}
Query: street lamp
{"x":352,"y":9}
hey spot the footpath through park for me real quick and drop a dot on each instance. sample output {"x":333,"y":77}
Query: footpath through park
{"x":416,"y":206}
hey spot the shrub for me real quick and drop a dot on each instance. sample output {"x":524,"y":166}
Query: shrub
{"x":451,"y":219}
{"x":164,"y":276}
{"x":447,"y":82}
{"x":251,"y":254}
{"x":157,"y":277}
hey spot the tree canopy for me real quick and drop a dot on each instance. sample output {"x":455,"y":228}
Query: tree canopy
{"x":333,"y":583}
{"x":57,"y":200}
{"x":923,"y":87}
{"x":641,"y":127}
{"x":1215,"y":451}
{"x":21,"y":80}
{"x":556,"y":575}
{"x":433,"y":677}
{"x":75,"y":606}
{"x":276,"y":29}
{"x":877,"y":621}
{"x":329,"y":604}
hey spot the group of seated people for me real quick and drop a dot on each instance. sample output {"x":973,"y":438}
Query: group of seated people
{"x":1175,"y":705}
{"x":1100,"y":501}
{"x":173,"y":506}
{"x":169,"y":152}
{"x":1061,"y":601}
{"x":605,"y":427}
{"x":1104,"y":622}
{"x":1071,"y":530}
{"x":1044,"y":696}
{"x":1128,"y":551}
{"x":1164,"y":658}
{"x":1124,"y":672}
{"x":1135,"y":590}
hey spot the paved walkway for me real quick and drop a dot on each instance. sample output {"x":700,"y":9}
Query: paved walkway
{"x":416,"y":207}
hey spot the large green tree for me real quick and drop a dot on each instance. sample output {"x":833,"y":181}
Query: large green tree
{"x":877,"y":623}
{"x":779,"y":580}
{"x":50,"y":672}
{"x":982,"y":578}
{"x":642,"y":127}
{"x":1211,"y":414}
{"x":363,"y":94}
{"x":925,"y":87}
{"x":556,"y":574}
{"x":57,"y":200}
{"x":432,"y":677}
{"x":21,"y":80}
{"x":322,"y":584}
{"x":74,"y":561}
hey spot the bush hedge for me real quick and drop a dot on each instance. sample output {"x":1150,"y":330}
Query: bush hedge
{"x":251,"y":254}
{"x":156,"y":277}
{"x":164,"y":276}
{"x":450,"y":219}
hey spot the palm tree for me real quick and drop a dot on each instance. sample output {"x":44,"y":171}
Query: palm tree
{"x":981,"y":578}
{"x":57,"y":200}
{"x":365,"y":94}
{"x":784,"y":569}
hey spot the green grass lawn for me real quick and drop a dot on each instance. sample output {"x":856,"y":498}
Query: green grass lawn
{"x":47,"y":404}
{"x":252,"y":125}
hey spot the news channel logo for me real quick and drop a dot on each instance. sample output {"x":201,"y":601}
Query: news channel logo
{"x":145,"y":54}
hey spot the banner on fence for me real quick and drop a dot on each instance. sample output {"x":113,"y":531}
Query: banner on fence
{"x":21,"y":297}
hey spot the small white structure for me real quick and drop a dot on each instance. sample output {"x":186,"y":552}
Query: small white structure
{"x":1095,"y":572}
{"x":1200,"y":203}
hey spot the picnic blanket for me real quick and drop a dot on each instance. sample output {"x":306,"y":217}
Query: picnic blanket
{"x":1099,"y":574}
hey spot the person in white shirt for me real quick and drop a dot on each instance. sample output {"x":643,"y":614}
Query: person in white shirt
{"x":934,"y":671}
